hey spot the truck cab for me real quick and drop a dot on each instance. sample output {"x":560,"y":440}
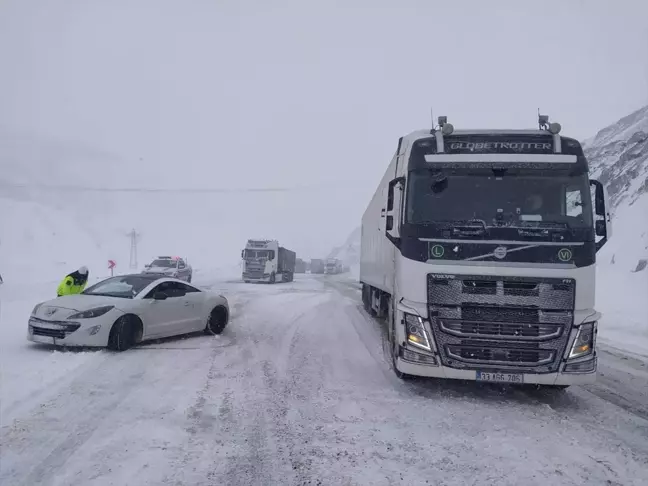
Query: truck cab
{"x":479,"y":249}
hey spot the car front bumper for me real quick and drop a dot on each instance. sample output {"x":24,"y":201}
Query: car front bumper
{"x":82,"y":332}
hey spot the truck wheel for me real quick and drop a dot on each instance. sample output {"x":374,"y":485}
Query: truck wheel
{"x":366,"y":292}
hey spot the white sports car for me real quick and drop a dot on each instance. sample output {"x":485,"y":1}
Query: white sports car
{"x":122,"y":311}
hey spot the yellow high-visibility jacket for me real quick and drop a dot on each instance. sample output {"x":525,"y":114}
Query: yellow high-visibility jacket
{"x":74,"y":283}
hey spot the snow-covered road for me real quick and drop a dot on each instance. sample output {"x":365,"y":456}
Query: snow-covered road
{"x":298,"y":390}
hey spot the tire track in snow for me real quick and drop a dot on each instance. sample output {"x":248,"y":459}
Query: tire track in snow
{"x":64,"y":424}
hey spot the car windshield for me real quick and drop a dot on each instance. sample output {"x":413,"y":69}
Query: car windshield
{"x":506,"y":198}
{"x":127,"y":286}
{"x":164,"y":263}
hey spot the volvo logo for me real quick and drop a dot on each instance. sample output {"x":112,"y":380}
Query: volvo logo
{"x":499,"y":252}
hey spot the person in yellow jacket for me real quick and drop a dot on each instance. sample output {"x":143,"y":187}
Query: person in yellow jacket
{"x":73,"y":283}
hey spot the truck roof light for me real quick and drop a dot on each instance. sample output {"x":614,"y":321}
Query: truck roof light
{"x":447,"y":129}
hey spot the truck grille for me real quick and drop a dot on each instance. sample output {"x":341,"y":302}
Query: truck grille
{"x":506,"y":330}
{"x":500,"y":356}
{"x":490,"y":322}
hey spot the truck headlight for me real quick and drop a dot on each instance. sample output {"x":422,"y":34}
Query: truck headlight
{"x":584,"y":343}
{"x":415,"y":332}
{"x":92,"y":313}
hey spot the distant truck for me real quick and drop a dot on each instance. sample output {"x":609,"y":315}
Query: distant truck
{"x":333,"y":266}
{"x":266,"y":261}
{"x":317,"y":266}
{"x":300,"y":266}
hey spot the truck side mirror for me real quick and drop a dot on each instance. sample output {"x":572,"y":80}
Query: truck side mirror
{"x":603,"y":226}
{"x":601,"y":230}
{"x":389,"y":225}
{"x":394,"y":200}
{"x":242,"y":253}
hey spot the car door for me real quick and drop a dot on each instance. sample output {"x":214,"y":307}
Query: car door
{"x":166,"y":317}
{"x":195,"y":301}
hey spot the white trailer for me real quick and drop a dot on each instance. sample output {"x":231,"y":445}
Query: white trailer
{"x":479,"y":249}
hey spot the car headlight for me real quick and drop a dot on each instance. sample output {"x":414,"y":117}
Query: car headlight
{"x":38,"y":306}
{"x":584,"y":342}
{"x":92,"y":313}
{"x":415,"y":331}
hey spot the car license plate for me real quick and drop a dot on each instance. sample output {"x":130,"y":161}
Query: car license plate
{"x":47,"y":325}
{"x":42,"y":339}
{"x":498,"y":377}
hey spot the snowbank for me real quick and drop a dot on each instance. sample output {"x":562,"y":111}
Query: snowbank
{"x":42,"y":244}
{"x":622,"y":297}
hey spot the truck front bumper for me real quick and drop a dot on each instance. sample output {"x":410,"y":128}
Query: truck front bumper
{"x":441,"y":371}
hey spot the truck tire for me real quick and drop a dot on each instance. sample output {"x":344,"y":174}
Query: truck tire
{"x":366,"y":292}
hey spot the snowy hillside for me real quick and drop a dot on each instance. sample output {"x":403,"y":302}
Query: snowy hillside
{"x":63,"y":204}
{"x":618,"y":157}
{"x":349,"y":251}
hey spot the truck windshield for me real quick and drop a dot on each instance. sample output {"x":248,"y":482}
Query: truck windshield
{"x":255,"y":254}
{"x":499,"y":198}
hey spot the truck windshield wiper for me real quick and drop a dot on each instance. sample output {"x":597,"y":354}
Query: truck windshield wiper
{"x":541,"y":229}
{"x":471,"y":227}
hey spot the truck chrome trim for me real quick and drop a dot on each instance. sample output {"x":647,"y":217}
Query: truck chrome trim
{"x":500,"y":158}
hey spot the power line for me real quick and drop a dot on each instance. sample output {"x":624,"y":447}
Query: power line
{"x":195,"y":190}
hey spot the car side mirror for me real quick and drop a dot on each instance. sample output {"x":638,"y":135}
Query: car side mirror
{"x":601,"y":228}
{"x":160,"y":296}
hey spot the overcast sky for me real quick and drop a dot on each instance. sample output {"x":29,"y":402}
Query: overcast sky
{"x":270,"y":93}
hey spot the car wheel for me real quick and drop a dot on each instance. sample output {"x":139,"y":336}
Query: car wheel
{"x":217,"y":321}
{"x":122,"y":334}
{"x":189,"y":279}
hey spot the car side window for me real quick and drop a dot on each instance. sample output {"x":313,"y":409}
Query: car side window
{"x":181,"y":264}
{"x":172,"y":289}
{"x":188,"y":288}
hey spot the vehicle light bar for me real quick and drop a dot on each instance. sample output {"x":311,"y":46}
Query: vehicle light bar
{"x":501,"y":158}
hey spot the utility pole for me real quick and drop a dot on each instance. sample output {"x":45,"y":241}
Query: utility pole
{"x":134,"y":236}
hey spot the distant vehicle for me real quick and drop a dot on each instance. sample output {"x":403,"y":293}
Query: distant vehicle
{"x":300,"y":266}
{"x":317,"y":266}
{"x":266,"y":261}
{"x":122,"y":311}
{"x":175,"y":267}
{"x":333,"y":266}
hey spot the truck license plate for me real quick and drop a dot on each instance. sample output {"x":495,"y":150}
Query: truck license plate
{"x":500,"y":377}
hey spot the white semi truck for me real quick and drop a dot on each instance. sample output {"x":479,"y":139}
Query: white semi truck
{"x":266,"y":261}
{"x":333,"y":266}
{"x":479,"y":249}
